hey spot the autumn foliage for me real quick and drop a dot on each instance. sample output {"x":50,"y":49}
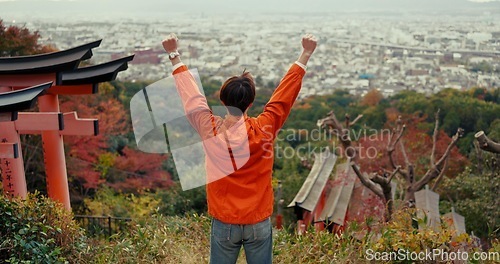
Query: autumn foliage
{"x":20,"y":41}
{"x":107,"y":158}
{"x":417,"y":142}
{"x":372,"y":98}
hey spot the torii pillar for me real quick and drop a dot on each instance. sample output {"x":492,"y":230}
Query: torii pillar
{"x":53,"y":153}
{"x":11,"y":162}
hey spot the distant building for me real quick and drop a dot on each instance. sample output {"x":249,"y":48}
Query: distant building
{"x":143,"y":56}
{"x":417,"y":72}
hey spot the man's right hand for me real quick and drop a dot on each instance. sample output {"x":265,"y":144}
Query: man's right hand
{"x":170,"y":43}
{"x":309,"y":43}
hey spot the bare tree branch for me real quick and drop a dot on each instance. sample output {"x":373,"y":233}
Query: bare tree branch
{"x":394,"y":173}
{"x":385,"y":184}
{"x":355,"y":120}
{"x":347,"y":121}
{"x":336,"y":127}
{"x":403,"y":151}
{"x":375,"y":188}
{"x":454,"y":140}
{"x":397,"y":134}
{"x":376,"y":178}
{"x":486,"y":143}
{"x":434,"y":139}
{"x":331,"y":120}
{"x":331,"y":123}
{"x":441,"y":175}
{"x":435,"y":170}
{"x":326,"y":122}
{"x":391,"y":146}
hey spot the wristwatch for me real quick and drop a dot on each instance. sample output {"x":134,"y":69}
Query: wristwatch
{"x":172,"y":55}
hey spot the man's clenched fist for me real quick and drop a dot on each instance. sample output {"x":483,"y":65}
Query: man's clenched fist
{"x":309,"y":43}
{"x":170,"y":43}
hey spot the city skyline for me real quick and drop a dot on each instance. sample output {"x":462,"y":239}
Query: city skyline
{"x":388,"y":50}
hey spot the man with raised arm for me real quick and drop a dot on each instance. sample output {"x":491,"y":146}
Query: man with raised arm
{"x":239,"y":191}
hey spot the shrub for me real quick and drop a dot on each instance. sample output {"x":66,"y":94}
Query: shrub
{"x":108,"y":202}
{"x":37,"y":230}
{"x":400,"y":236}
{"x":475,"y":196}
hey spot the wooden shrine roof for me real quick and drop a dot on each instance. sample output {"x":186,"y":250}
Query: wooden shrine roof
{"x":21,"y":99}
{"x":97,"y":73}
{"x":49,"y":62}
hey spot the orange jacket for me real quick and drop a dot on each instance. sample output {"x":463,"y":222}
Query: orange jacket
{"x":246,"y":195}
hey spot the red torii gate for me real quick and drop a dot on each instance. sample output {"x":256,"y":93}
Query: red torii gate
{"x":61,"y":70}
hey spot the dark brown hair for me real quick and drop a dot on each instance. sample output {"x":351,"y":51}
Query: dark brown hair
{"x":238,"y":92}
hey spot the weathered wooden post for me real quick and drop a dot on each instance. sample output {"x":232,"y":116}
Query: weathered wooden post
{"x":427,"y":203}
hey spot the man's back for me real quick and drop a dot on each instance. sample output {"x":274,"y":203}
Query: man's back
{"x":246,"y":196}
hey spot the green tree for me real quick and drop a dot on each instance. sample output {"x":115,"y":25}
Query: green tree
{"x":375,"y":117}
{"x":451,"y":121}
{"x":475,"y":196}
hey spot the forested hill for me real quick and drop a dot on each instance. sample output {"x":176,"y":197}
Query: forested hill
{"x":473,"y":110}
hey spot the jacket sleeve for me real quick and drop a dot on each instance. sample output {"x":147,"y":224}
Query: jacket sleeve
{"x":195,"y":104}
{"x":278,"y":108}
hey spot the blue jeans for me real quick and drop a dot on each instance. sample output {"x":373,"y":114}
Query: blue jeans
{"x":226,"y":241}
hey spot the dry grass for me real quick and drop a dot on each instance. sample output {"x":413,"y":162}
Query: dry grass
{"x":186,"y":240}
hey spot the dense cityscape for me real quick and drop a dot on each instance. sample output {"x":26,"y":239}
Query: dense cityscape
{"x":357,"y":51}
